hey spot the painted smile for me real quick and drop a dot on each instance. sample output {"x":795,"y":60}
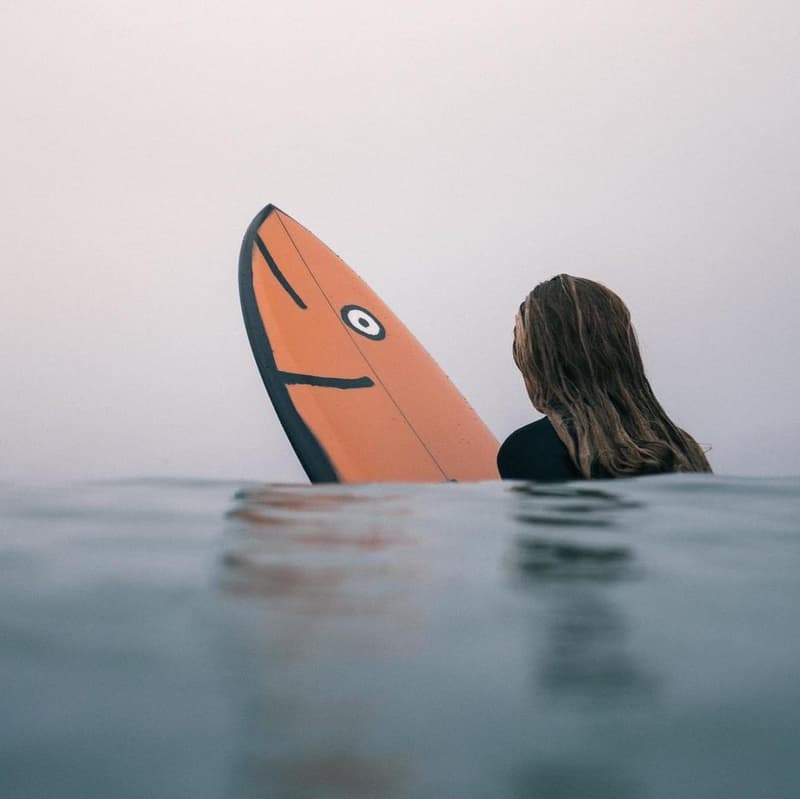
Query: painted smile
{"x":355,"y":317}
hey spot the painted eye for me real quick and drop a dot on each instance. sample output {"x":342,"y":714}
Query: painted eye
{"x":363,"y":322}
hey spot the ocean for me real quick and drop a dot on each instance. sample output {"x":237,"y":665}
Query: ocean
{"x":620,"y":639}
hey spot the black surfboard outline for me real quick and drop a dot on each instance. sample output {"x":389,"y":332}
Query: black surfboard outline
{"x":309,"y":451}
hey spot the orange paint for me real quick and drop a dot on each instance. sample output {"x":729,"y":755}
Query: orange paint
{"x":359,"y":397}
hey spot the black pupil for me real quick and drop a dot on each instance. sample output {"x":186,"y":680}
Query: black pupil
{"x":363,"y":321}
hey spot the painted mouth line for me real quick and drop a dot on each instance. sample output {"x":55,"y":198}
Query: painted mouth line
{"x":279,"y":276}
{"x":294,"y":379}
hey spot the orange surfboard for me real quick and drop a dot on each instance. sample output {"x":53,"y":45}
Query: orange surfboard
{"x":358,"y":396}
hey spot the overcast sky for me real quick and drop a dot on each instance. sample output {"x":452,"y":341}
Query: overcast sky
{"x":454,"y":153}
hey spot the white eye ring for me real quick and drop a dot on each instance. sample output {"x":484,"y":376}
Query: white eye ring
{"x":363,"y":322}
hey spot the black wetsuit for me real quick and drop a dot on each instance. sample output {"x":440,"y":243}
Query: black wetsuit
{"x":535,"y":452}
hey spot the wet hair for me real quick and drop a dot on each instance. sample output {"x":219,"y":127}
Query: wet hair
{"x":577,"y":350}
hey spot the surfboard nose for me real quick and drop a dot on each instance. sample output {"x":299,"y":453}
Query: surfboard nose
{"x":317,"y":330}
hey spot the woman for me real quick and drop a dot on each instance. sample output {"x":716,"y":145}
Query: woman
{"x":576,"y":348}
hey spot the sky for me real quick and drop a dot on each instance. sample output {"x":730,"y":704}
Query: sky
{"x":453,"y":153}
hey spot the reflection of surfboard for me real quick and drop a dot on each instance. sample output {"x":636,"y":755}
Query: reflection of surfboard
{"x":358,"y":397}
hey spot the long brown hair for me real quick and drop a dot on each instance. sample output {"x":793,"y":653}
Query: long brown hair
{"x":577,"y":350}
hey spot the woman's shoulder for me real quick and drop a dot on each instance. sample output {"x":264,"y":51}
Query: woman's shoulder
{"x":535,"y":452}
{"x":536,"y":432}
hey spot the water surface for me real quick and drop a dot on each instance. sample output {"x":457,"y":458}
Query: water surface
{"x":617,"y":639}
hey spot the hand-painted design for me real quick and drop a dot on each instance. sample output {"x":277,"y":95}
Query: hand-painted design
{"x":310,"y":452}
{"x":280,"y":277}
{"x":363,"y":322}
{"x":293,"y":378}
{"x":295,"y":294}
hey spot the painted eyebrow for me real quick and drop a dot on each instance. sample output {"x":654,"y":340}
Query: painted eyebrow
{"x":279,"y":276}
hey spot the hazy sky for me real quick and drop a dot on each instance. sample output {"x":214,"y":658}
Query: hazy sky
{"x":454,"y":153}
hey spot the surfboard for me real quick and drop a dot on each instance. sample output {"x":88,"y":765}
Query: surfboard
{"x":358,"y":396}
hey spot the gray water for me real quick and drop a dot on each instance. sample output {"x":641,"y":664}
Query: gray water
{"x":618,"y":639}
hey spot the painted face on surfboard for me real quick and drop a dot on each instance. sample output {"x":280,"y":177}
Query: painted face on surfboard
{"x":359,"y":398}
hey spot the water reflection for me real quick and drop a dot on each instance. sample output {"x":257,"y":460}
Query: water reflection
{"x":335,"y":573}
{"x":296,"y":499}
{"x":586,"y":657}
{"x":342,"y":578}
{"x":291,"y":543}
{"x":552,"y":559}
{"x":570,"y":505}
{"x":570,"y":563}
